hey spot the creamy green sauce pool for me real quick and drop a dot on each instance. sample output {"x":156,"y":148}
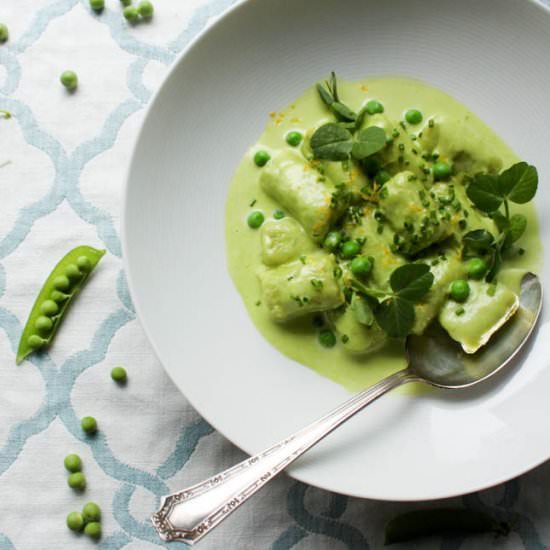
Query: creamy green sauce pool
{"x":402,"y":204}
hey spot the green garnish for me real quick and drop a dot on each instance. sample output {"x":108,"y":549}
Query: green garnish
{"x":327,"y":338}
{"x":261,"y":157}
{"x":255,"y":219}
{"x":329,"y":95}
{"x":394,"y":311}
{"x":317,"y":284}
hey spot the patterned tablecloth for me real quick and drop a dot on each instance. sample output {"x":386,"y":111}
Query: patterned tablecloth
{"x":62,"y":185}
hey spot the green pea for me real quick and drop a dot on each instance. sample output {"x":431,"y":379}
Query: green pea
{"x":332,"y":240}
{"x":91,"y":512}
{"x":97,"y":5}
{"x":73,"y":272}
{"x":4,"y":33}
{"x":361,"y":266}
{"x":146,"y":9}
{"x":261,"y":158}
{"x":413,"y":116}
{"x":118,"y":374}
{"x":374,"y":107}
{"x":382,"y":177}
{"x":62,"y":283}
{"x":255,"y":219}
{"x":35,"y":342}
{"x":89,"y":424}
{"x":93,"y":530}
{"x":126,"y":2}
{"x":441,"y":171}
{"x":69,"y":80}
{"x":350,"y":249}
{"x":58,"y":297}
{"x":460,"y":290}
{"x":84,"y":264}
{"x":75,"y":521}
{"x":131,"y":14}
{"x":278,"y":214}
{"x":77,"y":481}
{"x":327,"y":338}
{"x":294,"y":138}
{"x":53,"y":301}
{"x":73,"y":463}
{"x":43,"y":324}
{"x":49,"y":308}
{"x":477,"y":267}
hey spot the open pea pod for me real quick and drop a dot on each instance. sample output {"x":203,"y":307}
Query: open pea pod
{"x":62,"y":285}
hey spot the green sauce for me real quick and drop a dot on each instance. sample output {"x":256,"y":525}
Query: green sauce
{"x":299,"y":339}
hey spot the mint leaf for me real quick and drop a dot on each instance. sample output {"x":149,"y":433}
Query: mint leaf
{"x":519,"y":183}
{"x":395,"y":316}
{"x":411,"y":281}
{"x":485,"y":193}
{"x":331,"y":142}
{"x":369,"y":141}
{"x":518,"y":224}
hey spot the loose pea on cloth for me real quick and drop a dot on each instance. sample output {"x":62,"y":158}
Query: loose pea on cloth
{"x":62,"y":186}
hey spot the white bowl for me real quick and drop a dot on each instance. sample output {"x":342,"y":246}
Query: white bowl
{"x":492,"y":56}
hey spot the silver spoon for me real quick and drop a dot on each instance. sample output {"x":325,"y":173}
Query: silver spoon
{"x":433,"y":359}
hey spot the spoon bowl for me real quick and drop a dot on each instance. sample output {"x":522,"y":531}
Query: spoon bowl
{"x":439,"y":361}
{"x":433,"y":359}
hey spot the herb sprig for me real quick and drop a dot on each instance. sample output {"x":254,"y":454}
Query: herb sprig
{"x":335,"y":141}
{"x":394,"y":311}
{"x":489,"y":192}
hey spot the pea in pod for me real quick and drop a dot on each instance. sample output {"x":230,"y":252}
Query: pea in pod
{"x":62,"y":285}
{"x":425,"y":523}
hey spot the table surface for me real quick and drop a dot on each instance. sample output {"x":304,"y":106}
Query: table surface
{"x":62,"y":184}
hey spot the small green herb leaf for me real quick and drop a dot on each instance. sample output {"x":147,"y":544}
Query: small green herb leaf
{"x":395,"y":316}
{"x":518,"y":224}
{"x":326,"y":97}
{"x":343,"y":112}
{"x":477,"y":243}
{"x":519,"y":182}
{"x":485,"y":193}
{"x":331,"y":142}
{"x":369,"y":141}
{"x":412,"y":281}
{"x":362,"y":311}
{"x":501,"y":221}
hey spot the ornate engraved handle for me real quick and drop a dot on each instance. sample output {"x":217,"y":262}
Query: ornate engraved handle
{"x":190,"y":514}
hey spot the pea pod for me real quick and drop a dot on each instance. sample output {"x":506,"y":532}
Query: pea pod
{"x":62,"y":285}
{"x":425,"y":523}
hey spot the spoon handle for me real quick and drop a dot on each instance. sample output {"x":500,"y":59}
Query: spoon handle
{"x":190,"y":514}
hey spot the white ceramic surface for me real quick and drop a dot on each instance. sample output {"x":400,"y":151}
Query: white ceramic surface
{"x":491,"y":55}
